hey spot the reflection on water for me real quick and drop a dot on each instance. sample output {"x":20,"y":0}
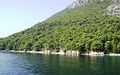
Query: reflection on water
{"x":40,"y":64}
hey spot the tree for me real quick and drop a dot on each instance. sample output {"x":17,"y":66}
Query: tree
{"x":37,"y":47}
{"x":108,"y":46}
{"x":10,"y":47}
{"x":88,"y":45}
{"x":82,"y":48}
{"x":114,"y":48}
{"x":97,"y":46}
{"x":28,"y":46}
{"x":118,"y":47}
{"x":3,"y":47}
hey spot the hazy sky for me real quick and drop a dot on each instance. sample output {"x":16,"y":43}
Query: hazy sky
{"x":17,"y":15}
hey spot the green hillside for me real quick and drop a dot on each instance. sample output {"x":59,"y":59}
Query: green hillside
{"x":82,"y":28}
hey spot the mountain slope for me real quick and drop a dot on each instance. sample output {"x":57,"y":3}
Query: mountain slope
{"x":82,"y":28}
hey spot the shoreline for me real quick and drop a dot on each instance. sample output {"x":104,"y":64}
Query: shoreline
{"x":69,"y":53}
{"x":72,"y":53}
{"x":92,"y":53}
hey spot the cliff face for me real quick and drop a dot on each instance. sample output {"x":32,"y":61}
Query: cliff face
{"x":78,"y":3}
{"x":116,"y":1}
{"x":114,"y":9}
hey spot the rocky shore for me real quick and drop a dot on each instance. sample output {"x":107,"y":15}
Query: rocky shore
{"x":69,"y":53}
{"x":92,"y":53}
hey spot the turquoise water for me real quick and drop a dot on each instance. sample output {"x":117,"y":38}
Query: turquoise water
{"x":40,"y":64}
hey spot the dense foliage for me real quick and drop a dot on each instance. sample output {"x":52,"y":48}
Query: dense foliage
{"x":83,"y":28}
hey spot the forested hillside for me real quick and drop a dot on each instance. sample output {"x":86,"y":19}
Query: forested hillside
{"x":83,"y":28}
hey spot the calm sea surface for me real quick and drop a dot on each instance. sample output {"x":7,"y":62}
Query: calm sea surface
{"x":40,"y":64}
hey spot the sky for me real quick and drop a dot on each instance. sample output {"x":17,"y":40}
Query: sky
{"x":18,"y":15}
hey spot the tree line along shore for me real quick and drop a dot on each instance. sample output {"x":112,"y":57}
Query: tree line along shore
{"x":83,"y":29}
